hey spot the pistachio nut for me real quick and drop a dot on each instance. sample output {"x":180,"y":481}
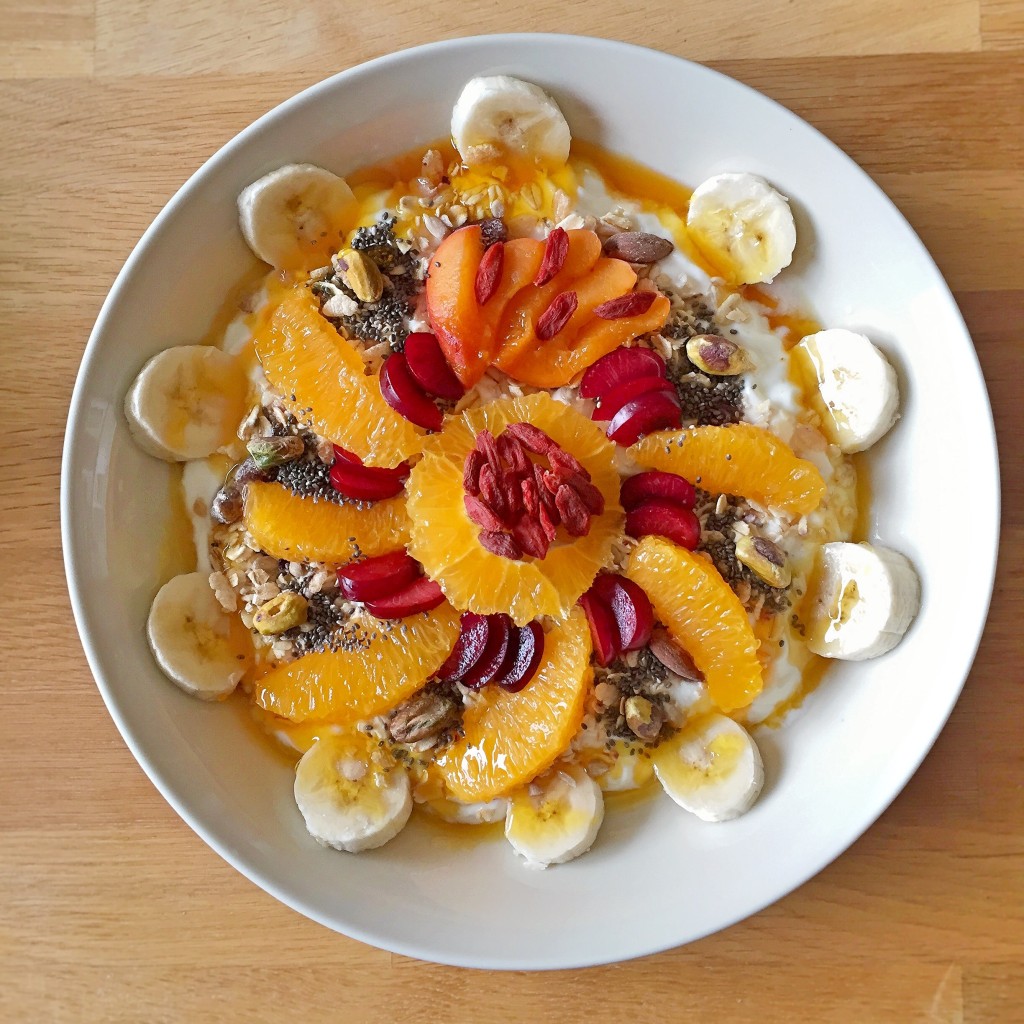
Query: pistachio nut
{"x":281,"y":613}
{"x":717,"y":356}
{"x":423,"y":715}
{"x":764,"y":559}
{"x":361,"y":274}
{"x":644,"y":718}
{"x":268,"y":452}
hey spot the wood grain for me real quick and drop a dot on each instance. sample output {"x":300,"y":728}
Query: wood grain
{"x":112,"y":910}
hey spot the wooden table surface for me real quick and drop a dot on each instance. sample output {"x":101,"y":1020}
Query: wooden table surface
{"x":111,"y":909}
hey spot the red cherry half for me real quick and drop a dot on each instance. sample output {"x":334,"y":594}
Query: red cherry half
{"x":405,"y":396}
{"x":664,"y":519}
{"x":429,"y":367}
{"x":644,"y":415}
{"x":493,"y":661}
{"x":604,"y":633}
{"x":630,"y":606}
{"x":612,"y":401}
{"x":656,"y":484}
{"x":377,"y":577}
{"x":360,"y":483}
{"x":525,"y":657}
{"x":619,"y":366}
{"x":468,"y":649}
{"x":419,"y":596}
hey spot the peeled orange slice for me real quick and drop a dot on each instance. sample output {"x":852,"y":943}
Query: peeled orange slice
{"x":741,"y":459}
{"x":445,"y":540}
{"x":510,"y":738}
{"x":704,"y":617}
{"x":324,"y":381}
{"x":380,"y":664}
{"x":300,"y":529}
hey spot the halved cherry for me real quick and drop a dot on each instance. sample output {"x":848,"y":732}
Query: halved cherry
{"x":644,"y":415}
{"x":362,"y":484}
{"x":630,"y":606}
{"x":526,"y":651}
{"x":493,"y":661}
{"x":619,"y":366}
{"x":664,"y":519}
{"x":469,"y":648}
{"x":378,"y":577}
{"x":419,"y":596}
{"x":405,"y":396}
{"x":656,"y":484}
{"x":604,"y":633}
{"x":612,"y":401}
{"x":429,"y":367}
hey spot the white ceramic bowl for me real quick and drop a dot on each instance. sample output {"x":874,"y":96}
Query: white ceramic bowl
{"x":832,"y":769}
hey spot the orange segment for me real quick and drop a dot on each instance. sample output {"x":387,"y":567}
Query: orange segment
{"x":510,"y":738}
{"x":555,"y":363}
{"x":741,"y":459}
{"x":703,"y":615}
{"x":323,"y":378}
{"x":516,"y":333}
{"x":287,"y":526}
{"x":389,"y":661}
{"x":446,"y":542}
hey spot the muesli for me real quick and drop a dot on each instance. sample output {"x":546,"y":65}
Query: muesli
{"x":513,"y":485}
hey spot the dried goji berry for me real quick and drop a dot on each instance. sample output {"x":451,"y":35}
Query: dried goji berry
{"x":589,"y":494}
{"x":513,"y":453}
{"x":471,"y":471}
{"x":575,"y":517}
{"x":532,"y":438}
{"x":485,"y":443}
{"x":490,"y":492}
{"x":557,"y":315}
{"x":480,"y":513}
{"x":500,"y":543}
{"x":548,"y":519}
{"x":488,"y":274}
{"x":531,"y":496}
{"x":530,"y":537}
{"x":630,"y":304}
{"x":556,"y":249}
{"x":567,"y":465}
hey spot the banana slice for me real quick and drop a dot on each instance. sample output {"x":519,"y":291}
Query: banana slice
{"x":862,"y":601}
{"x":293,"y":217}
{"x":498,"y":116}
{"x":711,"y":768}
{"x":197,"y":644}
{"x":743,"y":226}
{"x":857,"y":385}
{"x":556,"y":818}
{"x":186,"y":403}
{"x":456,"y":813}
{"x":352,"y":793}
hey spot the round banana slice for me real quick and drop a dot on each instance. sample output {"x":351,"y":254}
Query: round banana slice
{"x":293,"y":218}
{"x":352,"y":793}
{"x":198,"y":645}
{"x":556,"y":818}
{"x":857,"y":385}
{"x":186,"y":402}
{"x":743,"y":226}
{"x":497,"y":116}
{"x":862,"y":600}
{"x":711,"y":767}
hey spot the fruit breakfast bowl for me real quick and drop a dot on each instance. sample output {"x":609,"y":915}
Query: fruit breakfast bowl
{"x":831,"y":766}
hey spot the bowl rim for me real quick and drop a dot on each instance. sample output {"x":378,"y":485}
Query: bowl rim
{"x":72,"y":441}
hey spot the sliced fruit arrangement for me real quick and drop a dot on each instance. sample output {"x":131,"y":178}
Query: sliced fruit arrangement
{"x":556,"y":818}
{"x":351,"y":477}
{"x":292,"y":218}
{"x":857,"y":386}
{"x":711,"y":767}
{"x":740,"y":459}
{"x":661,"y":503}
{"x":542,"y":312}
{"x":742,"y":226}
{"x":377,"y":665}
{"x":352,"y":793}
{"x":324,"y":379}
{"x":493,"y":649}
{"x":411,"y":379}
{"x":392,"y":586}
{"x":619,"y":614}
{"x":447,"y":541}
{"x":512,"y":737}
{"x":198,"y":645}
{"x":286,"y":525}
{"x":862,"y":600}
{"x":632,"y":394}
{"x":703,"y":616}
